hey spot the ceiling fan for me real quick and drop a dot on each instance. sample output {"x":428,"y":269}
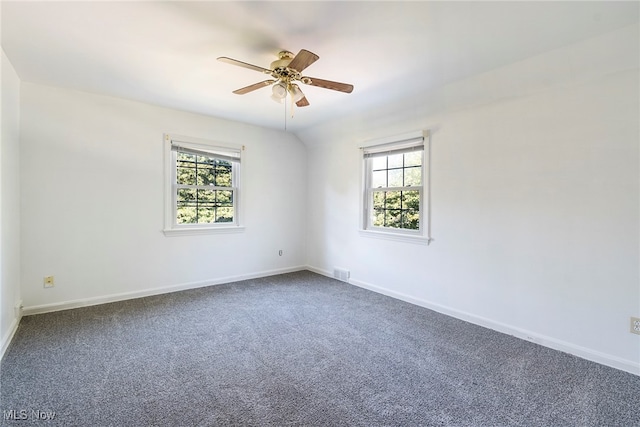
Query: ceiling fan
{"x":285,"y":71}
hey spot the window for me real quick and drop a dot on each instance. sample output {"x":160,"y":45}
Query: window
{"x":202,"y":186}
{"x":395,"y":199}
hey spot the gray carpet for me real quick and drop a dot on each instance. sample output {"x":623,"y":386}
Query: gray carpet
{"x":295,"y":349}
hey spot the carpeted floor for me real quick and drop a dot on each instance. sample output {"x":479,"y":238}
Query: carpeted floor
{"x":295,"y":349}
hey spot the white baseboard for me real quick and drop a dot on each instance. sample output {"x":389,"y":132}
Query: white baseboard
{"x":66,"y":305}
{"x":583,"y":352}
{"x":320,"y":271}
{"x":8,"y":336}
{"x":566,"y":347}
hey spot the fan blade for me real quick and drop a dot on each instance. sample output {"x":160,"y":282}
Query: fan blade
{"x":328,"y":84}
{"x":302,"y":60}
{"x":253,"y":87}
{"x":303,"y":102}
{"x":244,"y":64}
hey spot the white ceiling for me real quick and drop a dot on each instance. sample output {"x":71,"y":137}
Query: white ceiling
{"x":164,"y":53}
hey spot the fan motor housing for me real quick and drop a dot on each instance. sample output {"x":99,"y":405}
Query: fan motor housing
{"x":285,"y":57}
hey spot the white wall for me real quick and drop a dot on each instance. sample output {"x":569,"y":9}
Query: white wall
{"x":92,"y":200}
{"x":9,"y":203}
{"x":535,"y":200}
{"x":535,"y":188}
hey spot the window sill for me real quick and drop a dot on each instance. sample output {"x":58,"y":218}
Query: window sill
{"x":398,"y":237}
{"x":171,"y":232}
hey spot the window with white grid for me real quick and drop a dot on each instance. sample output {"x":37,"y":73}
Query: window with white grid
{"x":202,"y":185}
{"x":395,"y":191}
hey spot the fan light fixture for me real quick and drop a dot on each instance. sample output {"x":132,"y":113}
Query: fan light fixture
{"x":296,"y":93}
{"x":279,"y":92}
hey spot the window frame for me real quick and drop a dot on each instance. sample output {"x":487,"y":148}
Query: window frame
{"x":229,"y":152}
{"x":395,"y":145}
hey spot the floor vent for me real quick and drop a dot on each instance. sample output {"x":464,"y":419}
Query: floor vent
{"x":341,"y":274}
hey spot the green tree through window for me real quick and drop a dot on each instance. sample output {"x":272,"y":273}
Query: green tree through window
{"x":202,"y":186}
{"x":394,"y":186}
{"x":393,"y":206}
{"x":204,"y":193}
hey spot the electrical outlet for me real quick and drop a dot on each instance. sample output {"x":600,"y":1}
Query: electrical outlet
{"x":635,"y":325}
{"x":48,"y":282}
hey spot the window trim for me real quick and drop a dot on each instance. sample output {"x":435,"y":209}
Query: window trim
{"x":405,"y":143}
{"x":230,"y":152}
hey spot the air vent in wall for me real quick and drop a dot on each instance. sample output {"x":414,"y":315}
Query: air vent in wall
{"x":341,"y":274}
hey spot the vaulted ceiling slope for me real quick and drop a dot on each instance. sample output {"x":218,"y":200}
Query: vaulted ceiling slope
{"x":164,"y":53}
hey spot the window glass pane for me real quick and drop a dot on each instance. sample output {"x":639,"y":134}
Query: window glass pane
{"x":186,"y":206}
{"x":185,"y":172}
{"x":378,"y":163}
{"x":411,"y":200}
{"x":224,"y":198}
{"x":186,"y":195}
{"x":393,"y":199}
{"x":378,"y":199}
{"x":378,"y":218}
{"x":206,"y":214}
{"x":411,"y":219}
{"x":413,"y":176}
{"x":186,"y":157}
{"x":224,"y":214}
{"x":206,"y":197}
{"x":223,"y":174}
{"x":186,"y":215}
{"x":395,"y":161}
{"x":395,"y":178}
{"x":393,"y":218}
{"x":413,"y":158}
{"x":186,"y":175}
{"x":379,"y":179}
{"x":205,"y":174}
